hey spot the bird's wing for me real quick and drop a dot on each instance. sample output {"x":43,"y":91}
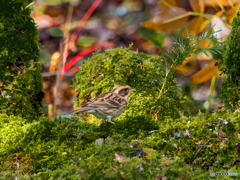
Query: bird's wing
{"x":104,"y":100}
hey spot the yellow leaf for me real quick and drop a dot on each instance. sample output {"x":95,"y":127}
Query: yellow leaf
{"x":197,"y":25}
{"x":168,"y":20}
{"x":222,"y":2}
{"x":55,"y":55}
{"x":193,"y":27}
{"x":165,"y":4}
{"x":54,"y":61}
{"x":218,"y":14}
{"x":231,"y":12}
{"x":197,"y":5}
{"x":204,"y":74}
{"x":22,"y":8}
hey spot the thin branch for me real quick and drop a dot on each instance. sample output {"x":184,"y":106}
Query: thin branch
{"x":62,"y":59}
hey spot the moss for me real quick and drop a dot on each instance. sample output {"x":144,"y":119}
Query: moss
{"x":20,"y":77}
{"x":143,"y":72}
{"x":230,"y":65}
{"x":187,"y":148}
{"x":136,"y":147}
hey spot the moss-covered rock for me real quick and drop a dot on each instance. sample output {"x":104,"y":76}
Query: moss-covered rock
{"x":145,"y":73}
{"x":230,"y":65}
{"x":20,"y":77}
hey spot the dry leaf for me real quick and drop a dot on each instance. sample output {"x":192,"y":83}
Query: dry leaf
{"x":182,"y":70}
{"x":140,"y":168}
{"x":220,"y":2}
{"x":201,"y":142}
{"x":111,"y":169}
{"x":204,"y":23}
{"x":210,"y":146}
{"x":99,"y":141}
{"x":160,"y":177}
{"x":195,"y":26}
{"x":222,"y":137}
{"x":197,"y":5}
{"x":122,"y":174}
{"x":219,"y":13}
{"x":168,"y":20}
{"x":54,"y":61}
{"x":165,"y":4}
{"x":204,"y":74}
{"x":237,"y":111}
{"x":120,"y":158}
{"x":231,"y":12}
{"x":219,"y":25}
{"x":203,"y":44}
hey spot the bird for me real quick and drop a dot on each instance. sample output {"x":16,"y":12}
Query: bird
{"x":108,"y":105}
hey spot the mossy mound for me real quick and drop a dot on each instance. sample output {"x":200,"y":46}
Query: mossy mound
{"x":188,"y":148}
{"x":20,"y":77}
{"x":144,"y":72}
{"x":230,"y":65}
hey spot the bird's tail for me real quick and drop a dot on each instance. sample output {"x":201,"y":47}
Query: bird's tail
{"x":78,"y":110}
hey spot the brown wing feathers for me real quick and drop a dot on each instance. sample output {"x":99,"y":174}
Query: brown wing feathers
{"x":79,"y":109}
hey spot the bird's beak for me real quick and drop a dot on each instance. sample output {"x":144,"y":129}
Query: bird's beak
{"x":131,"y":89}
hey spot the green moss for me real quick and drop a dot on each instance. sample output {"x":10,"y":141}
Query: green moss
{"x":48,"y":149}
{"x":230,"y":65}
{"x":145,"y":73}
{"x":20,"y":78}
{"x":178,"y":148}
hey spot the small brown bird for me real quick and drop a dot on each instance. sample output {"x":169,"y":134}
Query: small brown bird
{"x":108,"y":105}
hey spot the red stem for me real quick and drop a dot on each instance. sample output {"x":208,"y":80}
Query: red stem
{"x":83,"y":21}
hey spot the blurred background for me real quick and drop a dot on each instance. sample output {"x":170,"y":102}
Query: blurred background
{"x":71,"y":30}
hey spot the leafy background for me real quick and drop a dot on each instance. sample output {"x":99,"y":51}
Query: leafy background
{"x":148,"y":24}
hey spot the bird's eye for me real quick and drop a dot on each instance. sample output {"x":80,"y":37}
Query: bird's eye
{"x":125,"y":89}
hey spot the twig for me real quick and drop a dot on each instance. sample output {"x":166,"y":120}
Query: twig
{"x":151,"y":111}
{"x":63,"y":51}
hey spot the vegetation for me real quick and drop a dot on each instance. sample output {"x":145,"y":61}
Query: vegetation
{"x":20,"y":78}
{"x":230,"y":66}
{"x":142,"y":144}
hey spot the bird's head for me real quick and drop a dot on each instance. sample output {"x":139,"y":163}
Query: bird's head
{"x":122,"y":89}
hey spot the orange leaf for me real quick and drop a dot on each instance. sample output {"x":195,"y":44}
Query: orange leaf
{"x":182,"y":70}
{"x":193,"y":27}
{"x":204,"y":74}
{"x":54,"y":61}
{"x":188,"y":58}
{"x":204,"y":44}
{"x":231,"y":12}
{"x":168,"y":20}
{"x":219,"y":13}
{"x":165,"y":4}
{"x":197,"y":5}
{"x":222,"y":2}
